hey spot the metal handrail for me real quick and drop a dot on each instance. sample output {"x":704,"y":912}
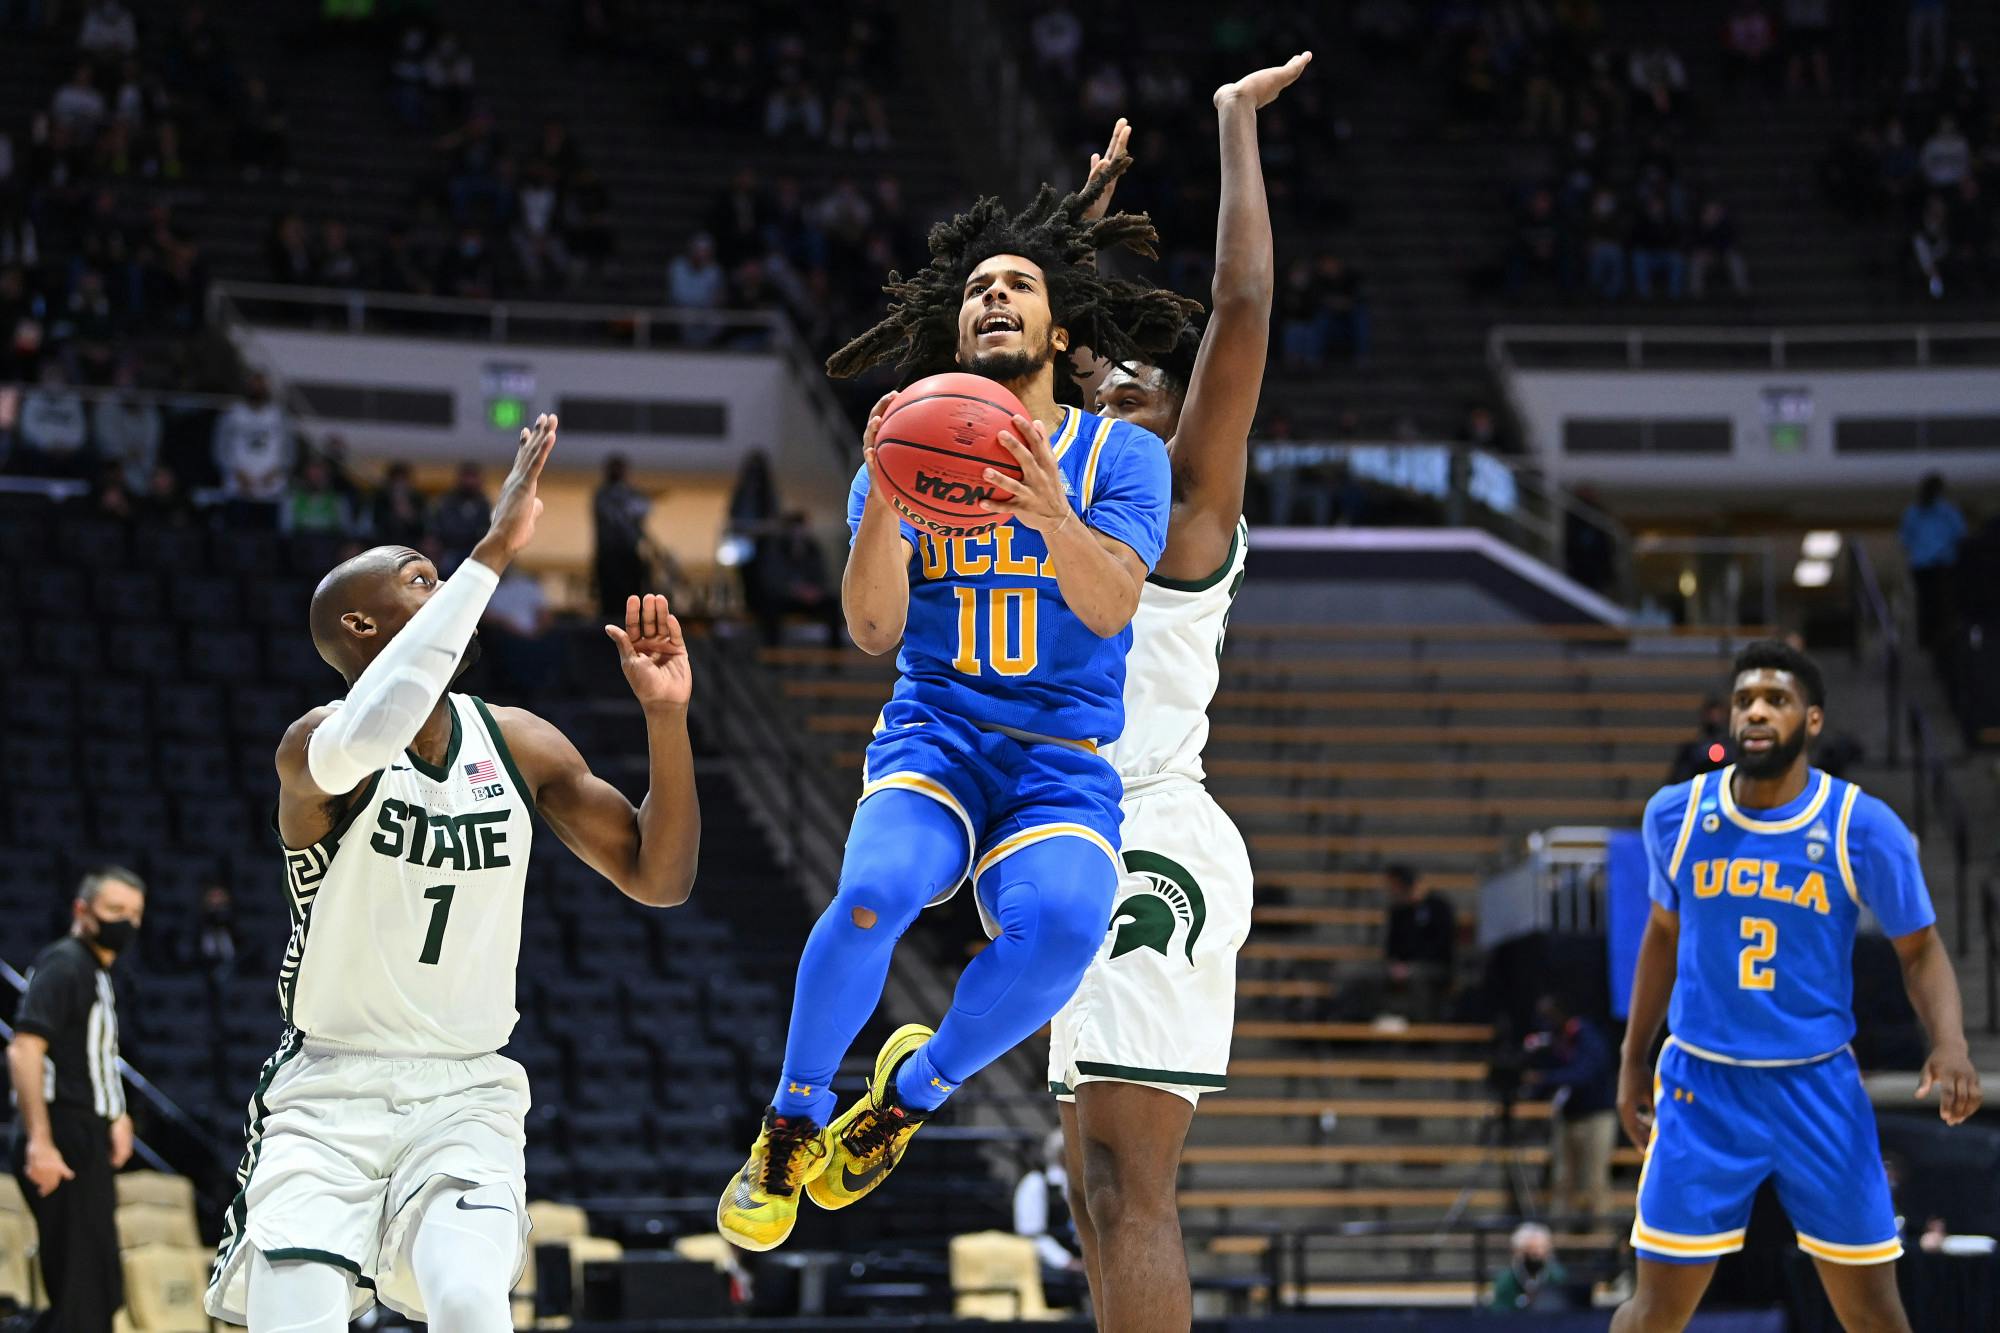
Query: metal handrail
{"x":1932,"y":785}
{"x":1871,"y":604}
{"x":1922,"y":340}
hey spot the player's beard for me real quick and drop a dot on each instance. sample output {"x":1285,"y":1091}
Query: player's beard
{"x":1012,"y":367}
{"x":1774,"y":761}
{"x":467,"y":658}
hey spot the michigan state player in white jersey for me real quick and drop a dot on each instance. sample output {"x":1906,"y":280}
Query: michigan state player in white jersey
{"x":384,"y":1159}
{"x":1148,"y":1030}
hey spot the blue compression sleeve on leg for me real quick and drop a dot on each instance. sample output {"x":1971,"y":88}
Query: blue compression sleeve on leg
{"x":902,"y":851}
{"x":1052,"y":900}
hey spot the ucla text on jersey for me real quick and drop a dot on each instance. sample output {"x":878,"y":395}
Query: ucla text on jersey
{"x":1769,"y":901}
{"x":989,"y":636}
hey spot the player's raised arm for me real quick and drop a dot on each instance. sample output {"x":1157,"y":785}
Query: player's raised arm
{"x":649,"y":852}
{"x":1211,"y":452}
{"x":875,"y":586}
{"x":398,"y":667}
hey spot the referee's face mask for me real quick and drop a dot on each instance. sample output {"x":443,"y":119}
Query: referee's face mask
{"x":113,"y":915}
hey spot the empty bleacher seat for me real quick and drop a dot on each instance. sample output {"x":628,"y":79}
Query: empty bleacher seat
{"x":54,"y":591}
{"x":207,"y":600}
{"x":156,"y":1223}
{"x":278,"y":603}
{"x":224,"y":655}
{"x":244,"y":553}
{"x":189,"y":709}
{"x":111,"y":706}
{"x":93,"y":543}
{"x":164,"y":1287}
{"x":45,"y":704}
{"x":165,"y":548}
{"x":38,"y":761}
{"x":211,"y":820}
{"x":290,"y":655}
{"x":128,"y":595}
{"x":67,"y":645}
{"x":261,"y":712}
{"x":117,"y":763}
{"x":46,"y":818}
{"x":591,"y":1131}
{"x":132,"y":820}
{"x":189,"y":767}
{"x":151,"y":650}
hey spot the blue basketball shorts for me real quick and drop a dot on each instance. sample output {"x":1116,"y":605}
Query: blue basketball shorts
{"x":1009,"y":793}
{"x":1720,"y":1130}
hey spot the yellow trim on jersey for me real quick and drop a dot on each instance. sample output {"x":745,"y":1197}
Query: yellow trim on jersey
{"x":1687,"y":828}
{"x":1840,"y":842}
{"x":938,"y":792}
{"x":1090,"y":465}
{"x":1028,"y":837}
{"x":1881,"y":1252}
{"x":1797,"y":821}
{"x":1687,"y":1247}
{"x":1065,"y":434}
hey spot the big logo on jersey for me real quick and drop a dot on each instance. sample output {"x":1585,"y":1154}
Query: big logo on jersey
{"x":1169,"y":902}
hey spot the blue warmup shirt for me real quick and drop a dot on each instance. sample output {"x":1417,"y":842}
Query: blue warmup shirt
{"x":989,"y":637}
{"x":1768,"y":903}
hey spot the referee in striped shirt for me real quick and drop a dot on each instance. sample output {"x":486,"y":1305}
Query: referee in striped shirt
{"x":73,"y":1131}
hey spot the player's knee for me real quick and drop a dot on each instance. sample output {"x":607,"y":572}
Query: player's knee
{"x":880,"y":902}
{"x":1068,"y":928}
{"x":464,"y":1303}
{"x":1120,"y":1192}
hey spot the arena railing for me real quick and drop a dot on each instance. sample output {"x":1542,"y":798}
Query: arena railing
{"x":540,"y":323}
{"x":1934,"y":791}
{"x":1871,"y":609}
{"x":1705,"y":347}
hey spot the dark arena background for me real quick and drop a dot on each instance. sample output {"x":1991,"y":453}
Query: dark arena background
{"x":1607,"y":336}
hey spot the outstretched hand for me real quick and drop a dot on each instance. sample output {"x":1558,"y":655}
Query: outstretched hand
{"x":1262,"y":88}
{"x":1121,"y":134}
{"x":519,"y":505}
{"x":652,"y":653}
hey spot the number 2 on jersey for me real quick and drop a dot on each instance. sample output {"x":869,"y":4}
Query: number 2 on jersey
{"x":440,"y":899}
{"x":1005,"y":660}
{"x":1750,"y":972}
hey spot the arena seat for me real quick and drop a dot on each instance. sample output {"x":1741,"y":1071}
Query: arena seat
{"x":165,"y":1286}
{"x":996,"y":1275}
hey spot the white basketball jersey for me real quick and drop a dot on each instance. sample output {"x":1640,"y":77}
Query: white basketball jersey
{"x":406,"y":918}
{"x":1173,"y":670}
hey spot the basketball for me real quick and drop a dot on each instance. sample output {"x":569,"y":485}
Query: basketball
{"x":940,"y":436}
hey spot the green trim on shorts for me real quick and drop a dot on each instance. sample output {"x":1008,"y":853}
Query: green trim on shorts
{"x":298,"y":1253}
{"x":1061,"y":1089}
{"x":235,"y":1219}
{"x":1133,"y":1074}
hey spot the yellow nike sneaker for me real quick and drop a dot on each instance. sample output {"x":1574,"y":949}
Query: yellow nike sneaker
{"x":762,"y":1202}
{"x":869,"y":1140}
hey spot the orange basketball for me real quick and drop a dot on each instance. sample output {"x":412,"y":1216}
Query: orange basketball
{"x":940,"y":436}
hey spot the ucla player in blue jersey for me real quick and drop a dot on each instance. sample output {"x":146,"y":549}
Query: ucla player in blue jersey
{"x":984,"y":766}
{"x":1759,"y":874}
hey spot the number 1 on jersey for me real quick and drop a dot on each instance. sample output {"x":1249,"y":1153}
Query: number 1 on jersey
{"x":1750,"y":974}
{"x":440,"y":899}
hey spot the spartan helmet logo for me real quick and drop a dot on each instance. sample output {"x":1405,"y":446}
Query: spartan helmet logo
{"x":1170,"y":901}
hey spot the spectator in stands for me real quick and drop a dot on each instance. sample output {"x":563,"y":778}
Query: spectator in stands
{"x":1808,"y":35}
{"x":163,"y":502}
{"x":53,"y":436}
{"x":1537,"y":251}
{"x":1343,"y":305}
{"x":399,"y":267}
{"x":1041,"y":1213}
{"x":1058,"y":37}
{"x":794,"y":108}
{"x":1571,"y":1061}
{"x":1963,"y":90}
{"x":263,"y":133}
{"x":753,"y":500}
{"x":113,"y":498}
{"x":739,"y":220}
{"x":108,"y":32}
{"x":1926,"y":35}
{"x":406,"y":78}
{"x":1931,"y":251}
{"x":1749,"y":46}
{"x":1659,"y":83}
{"x":859,"y":118}
{"x":313,"y":504}
{"x":787,"y":576}
{"x":1656,"y":250}
{"x":466,"y":269}
{"x":254,"y":455}
{"x":1715,"y":247}
{"x":1931,"y":531}
{"x":1534,"y":1278}
{"x":1604,"y":244}
{"x":125,"y":428}
{"x":1897,"y":164}
{"x":78,"y":109}
{"x":449,"y":75}
{"x":514,"y":631}
{"x":587,"y":222}
{"x":538,"y":243}
{"x":336,"y":265}
{"x":1301,"y":322}
{"x":695,"y":281}
{"x":396,"y":515}
{"x":460,"y":518}
{"x":216,"y":946}
{"x":618,"y":516}
{"x":1708,"y":749}
{"x":1423,"y":935}
{"x":1947,"y":156}
{"x":288,"y":255}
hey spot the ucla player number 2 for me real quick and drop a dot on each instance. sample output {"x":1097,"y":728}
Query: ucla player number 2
{"x":1006,"y":654}
{"x":1751,"y":974}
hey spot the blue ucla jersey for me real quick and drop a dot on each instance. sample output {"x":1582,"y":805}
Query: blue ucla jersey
{"x":989,"y":636}
{"x":1768,"y":903}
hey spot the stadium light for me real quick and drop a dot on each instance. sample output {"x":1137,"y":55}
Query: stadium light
{"x":1820,"y":545}
{"x":1813,"y":573}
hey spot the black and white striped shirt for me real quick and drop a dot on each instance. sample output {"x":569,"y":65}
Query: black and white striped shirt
{"x":69,"y":1004}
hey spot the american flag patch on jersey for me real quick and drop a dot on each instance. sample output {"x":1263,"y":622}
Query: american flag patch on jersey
{"x":483,"y":771}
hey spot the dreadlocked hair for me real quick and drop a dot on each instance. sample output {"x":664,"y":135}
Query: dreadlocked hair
{"x":1176,"y":364}
{"x":1114,"y":317}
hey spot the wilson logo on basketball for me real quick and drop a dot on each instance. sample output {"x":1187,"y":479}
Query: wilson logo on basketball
{"x":948,"y":490}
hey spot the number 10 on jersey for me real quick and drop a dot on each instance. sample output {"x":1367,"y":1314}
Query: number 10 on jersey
{"x":1010,"y":618}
